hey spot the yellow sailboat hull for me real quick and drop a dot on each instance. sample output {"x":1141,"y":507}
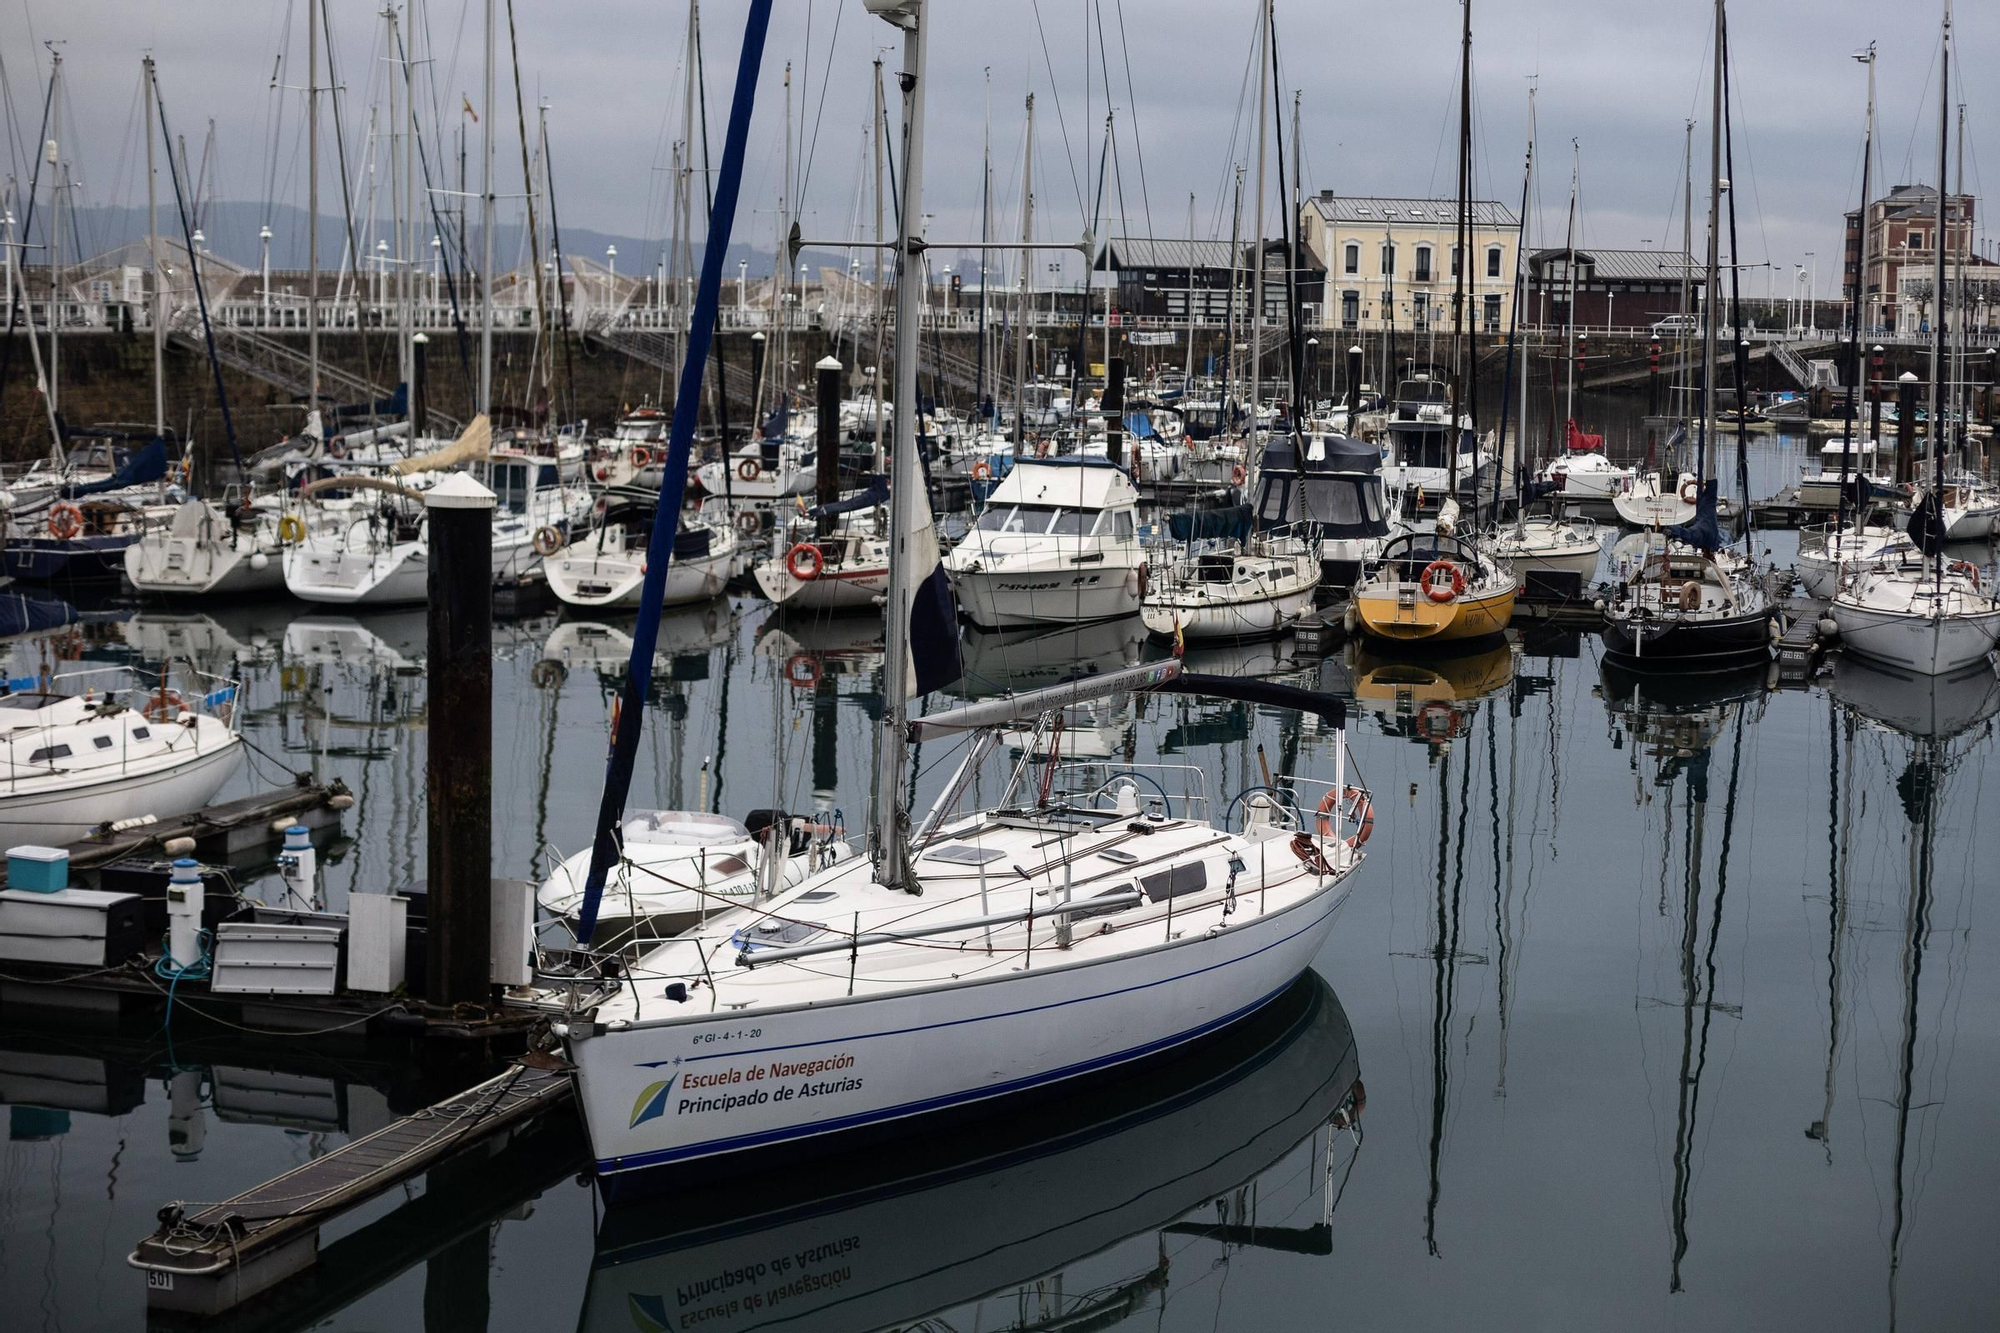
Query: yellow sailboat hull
{"x":1389,"y":613}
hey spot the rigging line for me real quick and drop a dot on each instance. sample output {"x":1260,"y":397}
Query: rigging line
{"x":542,"y":331}
{"x":1132,"y":106}
{"x":194,"y":273}
{"x":1055,"y":92}
{"x":819,"y":114}
{"x":274,"y":108}
{"x":14,"y":307}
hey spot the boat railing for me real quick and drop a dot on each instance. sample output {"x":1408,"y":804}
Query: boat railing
{"x":1334,"y":806}
{"x":214,"y":693}
{"x":1096,"y":777}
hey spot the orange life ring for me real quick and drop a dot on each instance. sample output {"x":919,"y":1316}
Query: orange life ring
{"x":1307,"y":849}
{"x":1436,"y":708}
{"x":1432,"y":590}
{"x":641,"y":455}
{"x":802,"y":671}
{"x":749,"y":522}
{"x":1041,"y":448}
{"x":548,"y":540}
{"x":1237,"y":474}
{"x":1690,"y":492}
{"x":163,"y":707}
{"x":982,"y":470}
{"x":1967,"y":568}
{"x":749,"y":469}
{"x":65,"y":521}
{"x":804,"y":562}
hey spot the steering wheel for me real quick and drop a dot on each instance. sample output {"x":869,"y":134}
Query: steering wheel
{"x":1146,"y":778}
{"x":1286,"y":801}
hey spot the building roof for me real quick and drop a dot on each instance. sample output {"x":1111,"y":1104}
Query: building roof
{"x":1145,"y":252}
{"x":1409,"y":212}
{"x":1914,"y":201}
{"x":1627,"y":265}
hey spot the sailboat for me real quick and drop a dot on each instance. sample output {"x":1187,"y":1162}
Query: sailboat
{"x":1076,"y":927}
{"x":1685,"y":605}
{"x":1915,"y":609}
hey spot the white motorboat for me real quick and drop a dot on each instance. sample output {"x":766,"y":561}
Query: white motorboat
{"x":1422,"y":436}
{"x":203,"y":549}
{"x":637,"y":442}
{"x":1971,"y":509}
{"x":1918,"y":612}
{"x":1820,"y":489}
{"x":1056,"y":544}
{"x":607,"y":567}
{"x":1334,"y":496}
{"x":122,"y":748}
{"x":680,"y":866}
{"x":1235,"y":590}
{"x":1827,"y":555}
{"x":1651,"y":502}
{"x":1588,"y":475}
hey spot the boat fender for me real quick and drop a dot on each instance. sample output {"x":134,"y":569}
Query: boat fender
{"x":343,"y":800}
{"x":65,"y":521}
{"x":1828,"y":627}
{"x":337,"y":448}
{"x":749,"y":469}
{"x":1447,"y":593}
{"x":399,"y":1022}
{"x":804,"y":562}
{"x":178,"y":847}
{"x":548,"y":540}
{"x":1690,"y":492}
{"x":603,"y":472}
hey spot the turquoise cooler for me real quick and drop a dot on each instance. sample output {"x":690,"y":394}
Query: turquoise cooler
{"x":38,"y":869}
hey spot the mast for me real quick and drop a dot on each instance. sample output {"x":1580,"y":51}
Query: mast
{"x":1937,"y":284}
{"x":1229,"y":309}
{"x":1257,"y":228}
{"x":905,"y":476}
{"x":159,"y":305}
{"x":1514,"y":333}
{"x":1021,"y":312}
{"x":485,"y":404}
{"x":1569,"y":276}
{"x":57,"y":180}
{"x":1847,"y":427}
{"x":1462,"y":243}
{"x":881,"y":238}
{"x":1714,"y":256}
{"x":1187,"y":370}
{"x":985,"y":222}
{"x":406,"y":279}
{"x":312,"y":212}
{"x":1959,"y":416}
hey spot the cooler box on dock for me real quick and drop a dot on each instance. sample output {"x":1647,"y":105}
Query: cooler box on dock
{"x":37,"y":869}
{"x":78,"y":927}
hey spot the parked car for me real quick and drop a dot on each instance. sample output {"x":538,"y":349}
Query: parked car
{"x":1675,"y":325}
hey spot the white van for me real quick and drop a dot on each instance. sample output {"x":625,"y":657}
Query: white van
{"x":1675,"y":325}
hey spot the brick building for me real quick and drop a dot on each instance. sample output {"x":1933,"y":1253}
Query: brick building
{"x":1902,"y":228}
{"x":1619,"y":289}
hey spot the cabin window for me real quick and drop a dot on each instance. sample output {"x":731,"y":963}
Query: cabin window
{"x":1122,"y":525}
{"x":141,"y":733}
{"x":1493,"y":261}
{"x":49,"y":753}
{"x":101,"y":742}
{"x":1272,"y":508}
{"x":1350,"y":258}
{"x":1423,"y":269}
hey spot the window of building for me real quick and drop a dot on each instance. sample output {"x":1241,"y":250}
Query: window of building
{"x":1916,"y":240}
{"x":1492,"y":318}
{"x":1493,"y":261}
{"x":1350,"y":309}
{"x":1454,"y":261}
{"x":1423,"y":270}
{"x":1388,"y":259}
{"x":1350,"y":259}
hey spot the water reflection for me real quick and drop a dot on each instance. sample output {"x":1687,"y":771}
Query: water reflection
{"x":997,"y":661}
{"x":1102,"y":1210}
{"x":1429,"y":700}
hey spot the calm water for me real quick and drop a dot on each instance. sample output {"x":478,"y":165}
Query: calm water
{"x":1672,"y":1011}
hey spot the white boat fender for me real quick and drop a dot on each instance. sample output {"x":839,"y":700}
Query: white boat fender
{"x":1828,"y":627}
{"x":340,"y":801}
{"x":178,"y":847}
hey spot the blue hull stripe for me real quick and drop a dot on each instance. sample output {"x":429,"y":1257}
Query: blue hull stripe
{"x":711,"y":1147}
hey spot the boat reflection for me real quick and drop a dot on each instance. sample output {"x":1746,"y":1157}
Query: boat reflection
{"x":1917,"y":705}
{"x":1071,"y":1218}
{"x":688,"y":635}
{"x":999,"y":661}
{"x":807,"y":647}
{"x":1429,"y":700}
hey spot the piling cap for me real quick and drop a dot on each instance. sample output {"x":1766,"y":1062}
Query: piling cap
{"x":460,"y":490}
{"x":1907,"y":377}
{"x":827,"y":363}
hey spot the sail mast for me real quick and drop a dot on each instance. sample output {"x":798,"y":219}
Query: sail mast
{"x":1714,"y":250}
{"x":1461,"y":246}
{"x":1021,"y":310}
{"x":312,"y":213}
{"x":1257,"y":232}
{"x":1938,"y":363}
{"x":891,"y":849}
{"x":153,"y":258}
{"x":1859,"y":302}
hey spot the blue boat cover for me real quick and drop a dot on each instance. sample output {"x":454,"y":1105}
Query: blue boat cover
{"x":876,"y":492}
{"x":1702,"y":531}
{"x":148,"y":464}
{"x":1232,"y":524}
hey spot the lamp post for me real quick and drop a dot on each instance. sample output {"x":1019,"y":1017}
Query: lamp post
{"x":381,"y":274}
{"x":742,"y":282}
{"x":1812,"y":286}
{"x":437,"y":259}
{"x":264,"y":236}
{"x":611,"y":275}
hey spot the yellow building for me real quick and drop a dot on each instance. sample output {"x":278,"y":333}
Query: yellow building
{"x":1393,"y":261}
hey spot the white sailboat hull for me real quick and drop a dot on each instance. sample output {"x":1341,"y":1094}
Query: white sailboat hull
{"x":864,"y":1062}
{"x":833,"y":590}
{"x":1003,"y":598}
{"x":1932,"y":645}
{"x":66,"y":815}
{"x":181,"y":567}
{"x":396,"y":575}
{"x":614,"y":582}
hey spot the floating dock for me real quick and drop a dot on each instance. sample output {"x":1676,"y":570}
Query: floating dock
{"x":220,"y":833}
{"x":208,"y":1261}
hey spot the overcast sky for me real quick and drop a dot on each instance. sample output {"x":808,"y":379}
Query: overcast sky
{"x":1379,"y":84}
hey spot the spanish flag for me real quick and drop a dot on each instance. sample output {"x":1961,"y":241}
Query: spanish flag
{"x":468,"y":108}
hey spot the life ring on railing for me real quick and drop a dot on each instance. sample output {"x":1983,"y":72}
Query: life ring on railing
{"x":802,"y":671}
{"x":1690,"y":492}
{"x":1430,"y":586}
{"x":749,"y":469}
{"x":804,"y":562}
{"x":65,"y":521}
{"x":641,"y":456}
{"x":291,"y":529}
{"x":163,"y":707}
{"x":749,"y":522}
{"x":1307,"y":848}
{"x":1237,"y":475}
{"x":1967,"y":568}
{"x":548,"y":540}
{"x":336,"y":448}
{"x":982,"y":470}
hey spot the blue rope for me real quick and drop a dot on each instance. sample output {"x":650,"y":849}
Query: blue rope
{"x":199,"y":968}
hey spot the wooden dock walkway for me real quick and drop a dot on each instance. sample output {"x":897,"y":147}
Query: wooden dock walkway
{"x":218,"y":831}
{"x":209,"y":1258}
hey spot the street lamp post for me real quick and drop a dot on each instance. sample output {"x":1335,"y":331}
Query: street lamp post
{"x":742,"y":282}
{"x":264,"y":235}
{"x":1812,"y":286}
